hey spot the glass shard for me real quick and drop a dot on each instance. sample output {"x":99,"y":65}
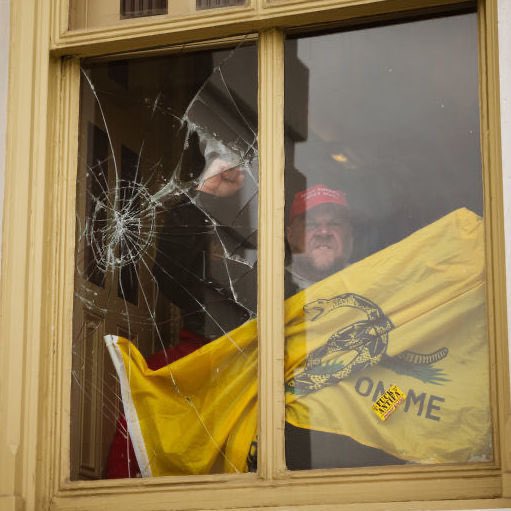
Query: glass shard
{"x":164,"y":364}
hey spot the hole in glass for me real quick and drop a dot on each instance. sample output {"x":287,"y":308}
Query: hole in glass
{"x":166,"y":266}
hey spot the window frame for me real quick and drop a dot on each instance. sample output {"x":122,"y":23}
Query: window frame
{"x":38,"y":266}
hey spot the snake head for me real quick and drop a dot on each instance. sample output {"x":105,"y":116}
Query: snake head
{"x":316,"y":309}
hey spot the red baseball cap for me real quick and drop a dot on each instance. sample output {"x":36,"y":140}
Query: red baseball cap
{"x":314,"y":196}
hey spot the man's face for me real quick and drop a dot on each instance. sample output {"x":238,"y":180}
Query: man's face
{"x":320,"y":240}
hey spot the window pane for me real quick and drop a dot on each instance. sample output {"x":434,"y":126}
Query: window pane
{"x":141,"y":8}
{"x":85,"y":14}
{"x":386,"y":269}
{"x":164,"y":347}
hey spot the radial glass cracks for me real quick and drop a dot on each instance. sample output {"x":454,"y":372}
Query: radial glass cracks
{"x":164,"y":336}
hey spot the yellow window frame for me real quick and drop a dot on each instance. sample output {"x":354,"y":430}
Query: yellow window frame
{"x":37,"y":275}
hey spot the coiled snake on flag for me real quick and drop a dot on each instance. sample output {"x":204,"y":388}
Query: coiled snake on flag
{"x":368,"y":338}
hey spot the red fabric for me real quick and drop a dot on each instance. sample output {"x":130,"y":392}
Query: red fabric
{"x":314,"y":196}
{"x":121,"y":461}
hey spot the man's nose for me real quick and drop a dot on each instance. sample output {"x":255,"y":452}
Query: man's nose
{"x":324,"y":228}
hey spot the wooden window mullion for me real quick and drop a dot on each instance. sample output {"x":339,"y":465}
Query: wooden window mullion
{"x":271,"y":254}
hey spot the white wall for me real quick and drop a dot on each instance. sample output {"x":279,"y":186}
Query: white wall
{"x":4,"y":58}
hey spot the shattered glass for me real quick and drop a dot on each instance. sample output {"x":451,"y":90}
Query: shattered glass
{"x":166,"y":252}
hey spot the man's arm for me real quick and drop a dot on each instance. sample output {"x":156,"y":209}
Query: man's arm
{"x":221,"y":179}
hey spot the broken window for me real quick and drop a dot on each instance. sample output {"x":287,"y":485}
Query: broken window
{"x":386,"y":330}
{"x":386,"y":262}
{"x":165,"y":279}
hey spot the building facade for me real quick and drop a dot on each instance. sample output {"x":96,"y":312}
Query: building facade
{"x":72,"y":75}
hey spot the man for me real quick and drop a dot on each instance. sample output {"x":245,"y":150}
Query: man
{"x":319,"y":235}
{"x":320,"y":239}
{"x":200,"y":263}
{"x":213,"y":298}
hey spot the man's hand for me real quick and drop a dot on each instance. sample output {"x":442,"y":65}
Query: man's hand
{"x":221,"y":179}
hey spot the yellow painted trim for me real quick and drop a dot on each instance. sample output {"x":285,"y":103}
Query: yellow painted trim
{"x":226,"y":42}
{"x":22,"y":292}
{"x":506,"y":485}
{"x":63,"y":268}
{"x":36,"y":287}
{"x":366,"y":491}
{"x":380,"y":475}
{"x":157,"y":32}
{"x":494,"y":213}
{"x":48,"y":438}
{"x":489,"y":206}
{"x":494,"y":218}
{"x":271,"y":254}
{"x":11,"y":503}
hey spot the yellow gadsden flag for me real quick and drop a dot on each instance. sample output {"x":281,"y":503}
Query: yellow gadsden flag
{"x":411,"y":315}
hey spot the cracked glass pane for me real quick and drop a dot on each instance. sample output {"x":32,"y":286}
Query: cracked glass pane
{"x":386,"y":243}
{"x":164,"y":333}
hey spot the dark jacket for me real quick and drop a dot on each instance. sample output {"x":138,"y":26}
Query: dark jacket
{"x":201,"y":266}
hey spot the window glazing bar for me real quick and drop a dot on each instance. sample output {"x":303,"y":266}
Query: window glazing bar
{"x":271,"y":255}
